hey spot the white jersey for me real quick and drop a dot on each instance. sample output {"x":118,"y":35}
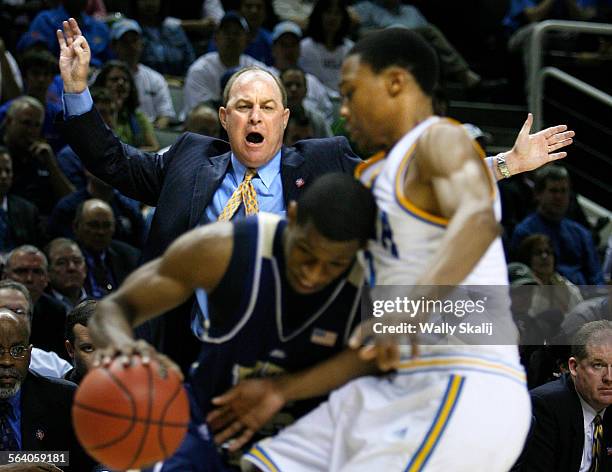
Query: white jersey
{"x":408,"y":237}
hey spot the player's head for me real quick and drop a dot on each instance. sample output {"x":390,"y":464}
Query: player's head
{"x":330,"y":223}
{"x":387,"y":83}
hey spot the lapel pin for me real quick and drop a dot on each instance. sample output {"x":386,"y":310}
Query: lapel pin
{"x":299,"y":183}
{"x":40,"y":434}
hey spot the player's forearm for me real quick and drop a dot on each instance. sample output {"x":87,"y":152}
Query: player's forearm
{"x":111,"y":324}
{"x":470,"y":233}
{"x":325,"y":376}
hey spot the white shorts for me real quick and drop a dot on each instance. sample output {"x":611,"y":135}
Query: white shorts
{"x":435,"y":414}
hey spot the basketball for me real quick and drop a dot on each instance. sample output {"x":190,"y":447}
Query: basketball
{"x":130,"y":417}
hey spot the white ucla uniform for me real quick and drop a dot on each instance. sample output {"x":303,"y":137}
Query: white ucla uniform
{"x":454,"y":408}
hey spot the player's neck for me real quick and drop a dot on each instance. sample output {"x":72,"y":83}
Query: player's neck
{"x":409,"y":117}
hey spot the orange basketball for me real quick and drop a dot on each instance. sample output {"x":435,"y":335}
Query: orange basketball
{"x":130,"y":417}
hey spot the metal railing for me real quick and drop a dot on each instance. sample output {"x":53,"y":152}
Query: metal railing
{"x":535,"y":65}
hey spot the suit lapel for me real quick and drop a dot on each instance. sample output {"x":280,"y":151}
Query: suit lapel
{"x":33,"y":429}
{"x":577,"y":425}
{"x":208,"y":179}
{"x":293,"y":174}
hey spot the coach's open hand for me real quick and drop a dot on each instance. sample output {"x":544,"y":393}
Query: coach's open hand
{"x":74,"y":57}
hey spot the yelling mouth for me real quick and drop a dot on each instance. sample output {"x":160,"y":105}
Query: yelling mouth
{"x":254,"y":138}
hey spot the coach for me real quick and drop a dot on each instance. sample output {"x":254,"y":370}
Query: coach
{"x":194,"y":181}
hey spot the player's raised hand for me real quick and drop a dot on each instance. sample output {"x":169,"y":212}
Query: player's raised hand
{"x":531,"y":151}
{"x":74,"y":57}
{"x":243,"y":410}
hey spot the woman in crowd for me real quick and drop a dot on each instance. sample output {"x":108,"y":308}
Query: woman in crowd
{"x":133,"y":127}
{"x":326,"y":42}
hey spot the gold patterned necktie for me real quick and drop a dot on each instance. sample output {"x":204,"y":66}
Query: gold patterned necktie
{"x":596,"y":451}
{"x":245,"y":193}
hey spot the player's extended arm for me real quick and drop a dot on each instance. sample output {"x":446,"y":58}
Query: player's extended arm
{"x":199,"y":258}
{"x":248,"y":406}
{"x":531,"y":151}
{"x":463,"y":189}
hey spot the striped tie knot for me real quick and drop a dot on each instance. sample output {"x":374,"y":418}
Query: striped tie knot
{"x":244,"y":194}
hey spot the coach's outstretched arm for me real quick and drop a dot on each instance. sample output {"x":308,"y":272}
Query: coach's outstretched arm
{"x":199,"y":258}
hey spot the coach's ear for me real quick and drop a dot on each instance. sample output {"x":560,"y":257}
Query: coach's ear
{"x":292,"y":212}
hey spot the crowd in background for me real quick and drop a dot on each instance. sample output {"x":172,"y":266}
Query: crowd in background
{"x":68,"y":236}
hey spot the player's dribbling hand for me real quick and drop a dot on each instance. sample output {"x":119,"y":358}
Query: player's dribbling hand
{"x":127,"y":350}
{"x":383,"y":348}
{"x":243,"y":410}
{"x":74,"y":57}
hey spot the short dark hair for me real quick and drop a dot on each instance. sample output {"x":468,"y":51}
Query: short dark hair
{"x":550,"y":172}
{"x":14,"y":285}
{"x":403,"y":48}
{"x":80,"y":314}
{"x":315,"y":28}
{"x":237,"y":74}
{"x":589,"y":333}
{"x":525,"y":249}
{"x":340,"y":207}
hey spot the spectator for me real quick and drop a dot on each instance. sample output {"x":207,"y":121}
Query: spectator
{"x":299,"y":127}
{"x":203,"y":82}
{"x":326,"y":42}
{"x":594,"y":309}
{"x":555,"y":292}
{"x":28,"y":265}
{"x":67,"y":272}
{"x":108,"y":261}
{"x":259,"y":39}
{"x":16,"y":297}
{"x":165,"y":45}
{"x":132,"y":124}
{"x":10,"y":76}
{"x":128,"y":219}
{"x":36,"y":175}
{"x":568,"y":412}
{"x":294,"y":80}
{"x":39,"y":68}
{"x":377,"y":14}
{"x":153,"y":91}
{"x":286,"y":51}
{"x":19,"y":223}
{"x":36,"y":410}
{"x":575,"y":252}
{"x":204,"y":120}
{"x":79,"y":345}
{"x":47,"y":22}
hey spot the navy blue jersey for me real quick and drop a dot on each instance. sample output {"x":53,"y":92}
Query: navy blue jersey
{"x":254,"y":324}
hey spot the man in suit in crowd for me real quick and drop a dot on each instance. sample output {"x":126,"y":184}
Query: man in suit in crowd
{"x":28,"y":265}
{"x":67,"y":272}
{"x":19,"y":222}
{"x":35,"y":411}
{"x":78,"y":342}
{"x":192,"y":183}
{"x":108,"y":261}
{"x":570,"y":413}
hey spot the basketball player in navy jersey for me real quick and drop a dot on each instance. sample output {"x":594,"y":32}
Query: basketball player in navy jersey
{"x":282,"y":296}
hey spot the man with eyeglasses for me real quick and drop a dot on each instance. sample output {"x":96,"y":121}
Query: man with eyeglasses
{"x":34,"y":410}
{"x":108,"y":261}
{"x":67,"y":272}
{"x":28,"y":265}
{"x":14,"y":296}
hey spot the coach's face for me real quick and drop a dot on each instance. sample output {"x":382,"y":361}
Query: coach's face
{"x":593,"y":376}
{"x":254,"y":118}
